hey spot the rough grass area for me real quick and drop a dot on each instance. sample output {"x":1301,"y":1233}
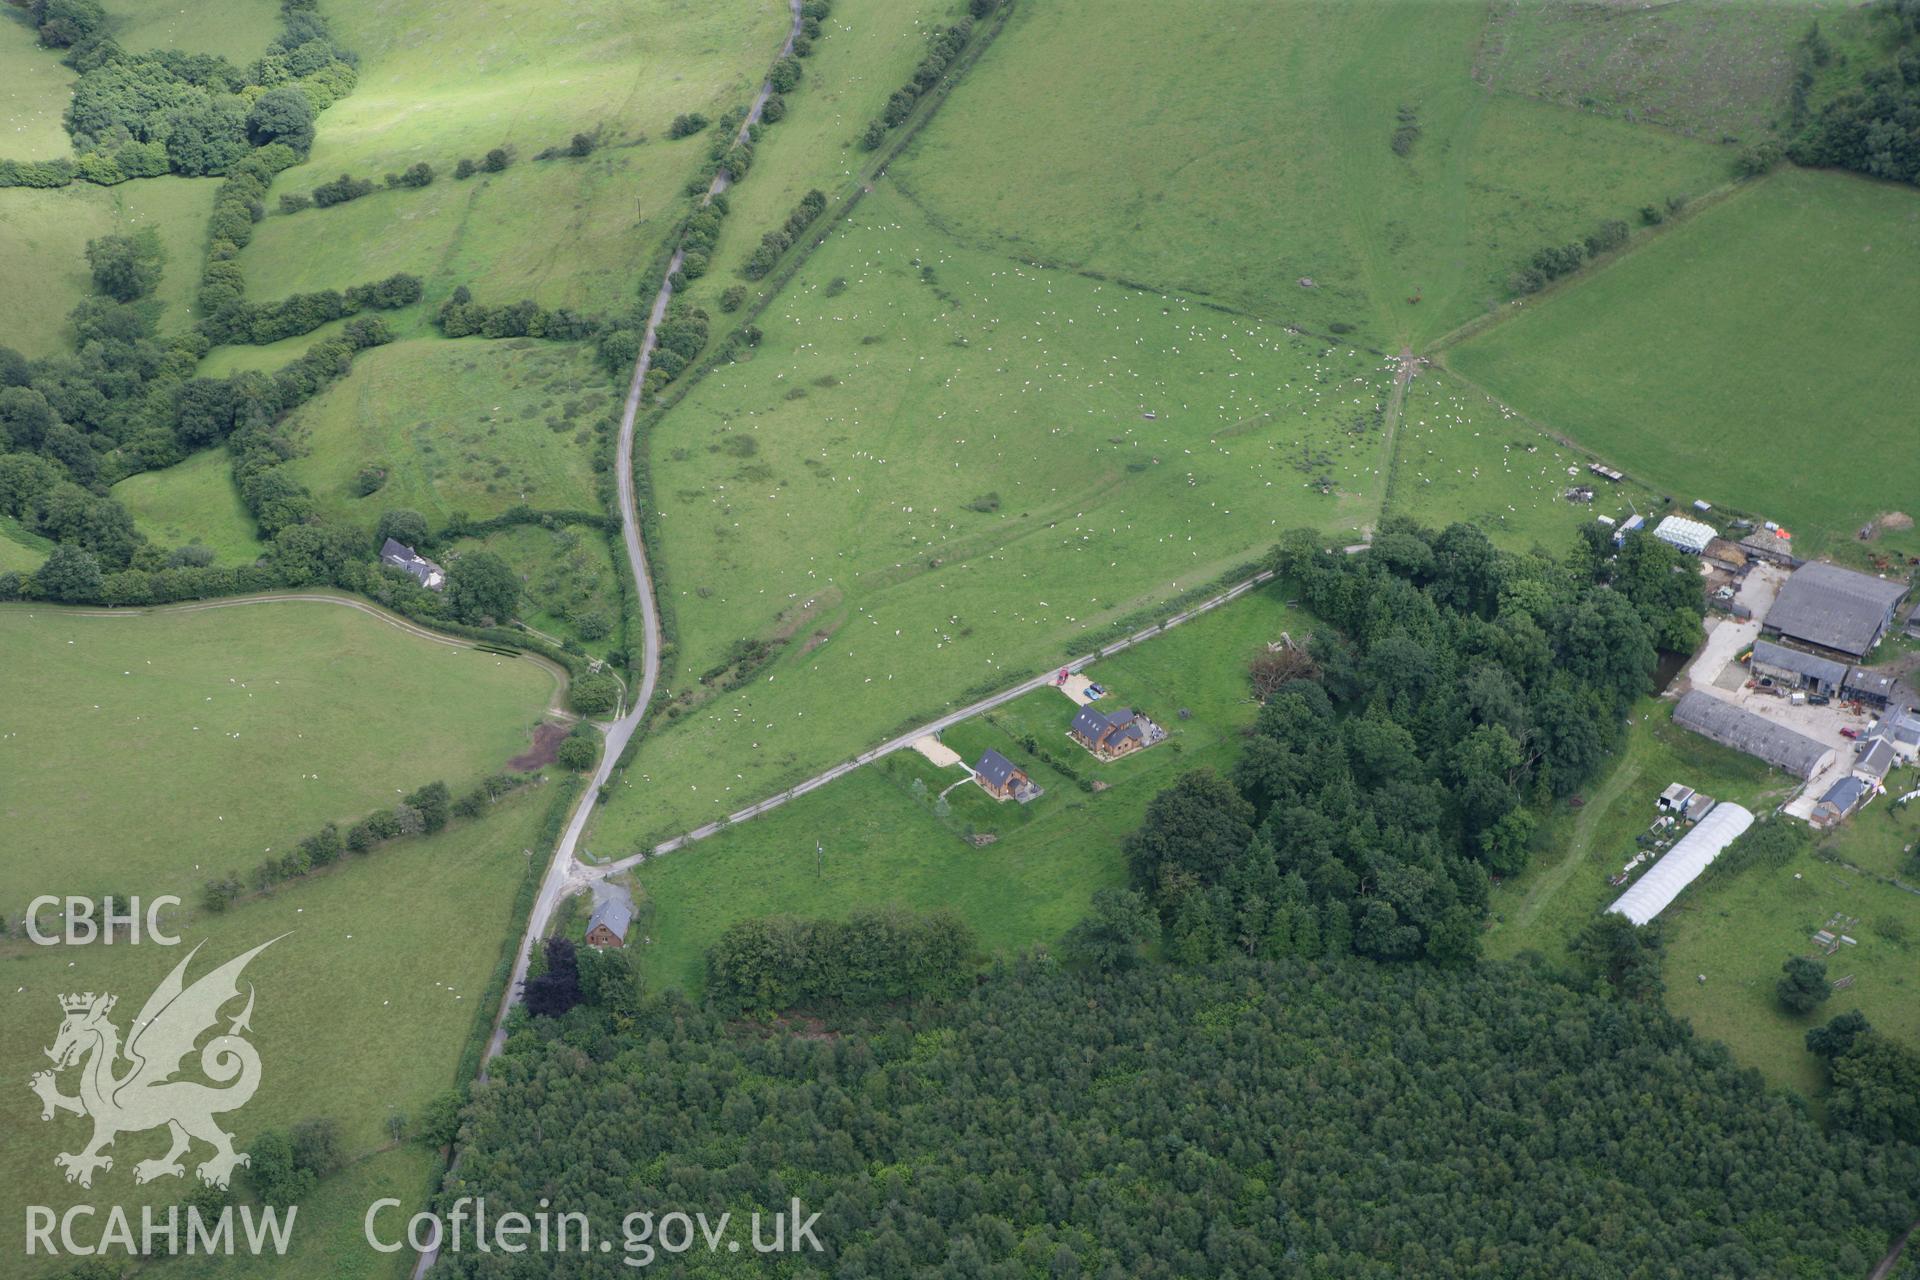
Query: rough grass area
{"x":1084,"y":136}
{"x":473,"y":426}
{"x":238,"y":30}
{"x":1459,"y":454}
{"x":145,"y":754}
{"x":362,"y":1008}
{"x":34,"y":92}
{"x":1717,"y":71}
{"x":943,"y":469}
{"x":441,"y":79}
{"x":1739,"y":932}
{"x":884,"y":840}
{"x":1758,"y":356}
{"x":193,"y":501}
{"x":43,"y":241}
{"x":1564,"y":886}
{"x":223,"y":362}
{"x":565,"y":232}
{"x":568,"y":576}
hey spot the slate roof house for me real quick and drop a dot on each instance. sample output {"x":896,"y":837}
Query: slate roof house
{"x":424,"y":571}
{"x":1874,"y":761}
{"x":1002,"y":779}
{"x":1825,"y":607}
{"x":612,"y":917}
{"x":1842,"y":798}
{"x":1731,"y":726}
{"x":1111,"y":736}
{"x":1798,"y":670}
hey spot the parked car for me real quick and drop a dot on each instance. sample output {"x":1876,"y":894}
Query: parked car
{"x":1818,"y":699}
{"x":1848,"y":731}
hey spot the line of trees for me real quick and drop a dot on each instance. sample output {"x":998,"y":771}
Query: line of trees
{"x":1549,"y":264}
{"x":778,"y":241}
{"x":460,"y":316}
{"x":943,"y":46}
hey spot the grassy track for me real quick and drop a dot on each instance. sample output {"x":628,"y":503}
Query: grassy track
{"x":136,"y":762}
{"x":43,"y":241}
{"x":940,"y":471}
{"x":1085,"y":137}
{"x":362,"y":1008}
{"x":1753,"y":356}
{"x":884,"y":841}
{"x":193,"y":501}
{"x":472,"y":426}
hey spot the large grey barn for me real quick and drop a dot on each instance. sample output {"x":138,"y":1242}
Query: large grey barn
{"x":1838,"y":610}
{"x":1757,"y":736}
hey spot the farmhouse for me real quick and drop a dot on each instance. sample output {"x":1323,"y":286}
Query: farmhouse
{"x":1730,"y":726}
{"x":1841,"y":799}
{"x":1825,"y":607}
{"x":1797,"y":670}
{"x":1902,"y":728}
{"x":1874,"y":760}
{"x":1652,"y":892}
{"x":1000,"y":778}
{"x":1689,"y":536}
{"x":1864,"y":684}
{"x":612,"y":916}
{"x":1111,"y":736}
{"x":424,"y":571}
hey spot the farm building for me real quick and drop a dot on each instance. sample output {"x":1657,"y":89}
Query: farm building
{"x":1797,"y":670}
{"x":1841,"y":799}
{"x":1627,"y":526}
{"x":1652,"y":892}
{"x":1722,"y":554}
{"x":397,"y":556}
{"x":1730,"y":726}
{"x":1902,"y":728}
{"x":1875,"y":688}
{"x":1825,"y":607}
{"x":1676,"y":798}
{"x":612,"y":916}
{"x":1773,"y":545}
{"x":1002,"y":779}
{"x":1687,"y":535}
{"x":1111,"y":736}
{"x":1874,"y":760}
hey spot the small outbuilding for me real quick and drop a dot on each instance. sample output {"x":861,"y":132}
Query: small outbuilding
{"x":1722,"y":554}
{"x":1864,"y":684}
{"x":1797,"y":669}
{"x":1675,"y":798}
{"x":1653,"y":892}
{"x":1757,"y":736}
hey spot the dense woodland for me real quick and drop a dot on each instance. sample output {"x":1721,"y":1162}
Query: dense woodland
{"x":1454,"y":690}
{"x":1297,"y":1118}
{"x":1873,"y":126}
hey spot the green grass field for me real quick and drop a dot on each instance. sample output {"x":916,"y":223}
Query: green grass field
{"x":20,"y":551}
{"x":465,"y":426}
{"x":238,"y":30}
{"x":1712,"y":361}
{"x":193,"y":501}
{"x":565,"y":232}
{"x":940,"y":468}
{"x":363,"y":1007}
{"x":884,"y":842}
{"x":567,"y":574}
{"x":1459,"y":454}
{"x":1714,"y":70}
{"x":223,"y":362}
{"x":43,"y":241}
{"x":1084,"y":137}
{"x":34,"y":90}
{"x":145,"y":754}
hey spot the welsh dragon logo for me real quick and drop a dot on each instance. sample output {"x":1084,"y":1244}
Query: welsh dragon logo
{"x":145,"y":1095}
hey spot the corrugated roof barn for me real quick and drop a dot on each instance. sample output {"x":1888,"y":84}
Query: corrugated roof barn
{"x":1834,"y":608}
{"x":1742,"y":730}
{"x":1823,"y":673}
